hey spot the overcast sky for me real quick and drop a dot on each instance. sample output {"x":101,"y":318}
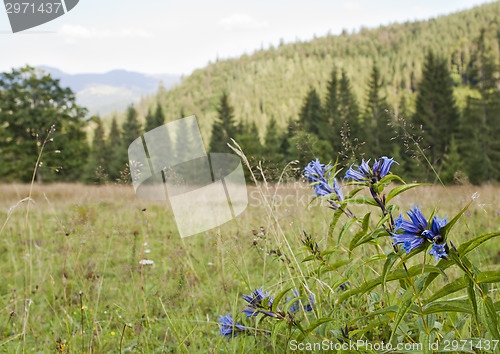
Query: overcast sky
{"x":163,"y":36}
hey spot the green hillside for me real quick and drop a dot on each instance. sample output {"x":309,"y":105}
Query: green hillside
{"x":274,"y":82}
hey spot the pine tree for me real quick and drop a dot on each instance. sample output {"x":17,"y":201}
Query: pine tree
{"x":159,"y":117}
{"x":97,"y":163}
{"x":224,"y":127}
{"x":311,"y":115}
{"x":150,"y":121}
{"x":436,"y":111}
{"x":481,"y":127}
{"x":272,"y":142}
{"x":113,"y":142}
{"x":131,"y":130}
{"x":453,"y":163}
{"x":332,"y":112}
{"x":377,"y":121}
{"x":351,"y":132}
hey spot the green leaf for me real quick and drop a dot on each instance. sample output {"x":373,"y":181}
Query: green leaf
{"x":450,"y":288}
{"x":336,"y":216}
{"x":400,"y":189}
{"x":389,"y":178}
{"x":360,"y":234}
{"x":404,"y":305}
{"x":490,"y":276}
{"x":391,"y":259}
{"x":313,"y":326}
{"x":490,"y":317}
{"x":278,"y":298}
{"x":471,"y":293}
{"x":372,"y":236}
{"x":362,"y":200}
{"x":445,"y":230}
{"x":289,"y":303}
{"x":470,"y":245}
{"x":345,"y":228}
{"x":447,"y":306}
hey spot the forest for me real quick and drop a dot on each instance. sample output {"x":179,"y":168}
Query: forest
{"x":426,"y":93}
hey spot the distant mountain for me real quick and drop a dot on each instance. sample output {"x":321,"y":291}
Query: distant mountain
{"x":111,"y":91}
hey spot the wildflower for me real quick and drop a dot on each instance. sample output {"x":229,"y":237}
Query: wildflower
{"x":363,"y":172}
{"x":229,"y":328}
{"x":113,"y":333}
{"x":439,"y":251}
{"x":414,"y":232}
{"x":296,"y":305}
{"x":344,"y":286}
{"x":255,"y":303}
{"x":146,"y":261}
{"x":317,"y":174}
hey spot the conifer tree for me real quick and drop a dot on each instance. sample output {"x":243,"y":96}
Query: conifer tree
{"x":159,"y":117}
{"x":377,"y":122}
{"x":436,"y":111}
{"x":99,"y":155}
{"x":332,"y":112}
{"x":113,"y":142}
{"x":150,"y":121}
{"x":272,"y":142}
{"x":481,"y":128}
{"x":351,"y":131}
{"x":131,"y":130}
{"x":224,"y":127}
{"x":311,"y":115}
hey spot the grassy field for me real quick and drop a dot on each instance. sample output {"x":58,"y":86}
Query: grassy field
{"x":75,"y":255}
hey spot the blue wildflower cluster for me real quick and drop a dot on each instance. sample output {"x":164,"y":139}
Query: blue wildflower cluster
{"x":261,"y":301}
{"x":296,"y":306}
{"x":319,"y":176}
{"x":414,"y":233}
{"x":363,"y":172}
{"x":229,"y":328}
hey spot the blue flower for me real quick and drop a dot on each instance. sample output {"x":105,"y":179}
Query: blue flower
{"x":255,"y":303}
{"x":414,"y":232}
{"x":363,"y":172}
{"x":344,"y":286}
{"x":229,"y":328}
{"x":317,"y":174}
{"x":296,"y":305}
{"x":439,"y":251}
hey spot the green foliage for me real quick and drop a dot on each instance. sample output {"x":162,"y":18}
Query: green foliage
{"x":224,"y":128}
{"x":37,"y":113}
{"x":436,"y":111}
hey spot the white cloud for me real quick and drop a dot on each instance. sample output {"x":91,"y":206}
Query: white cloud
{"x":73,"y":32}
{"x":352,"y":5}
{"x":241,"y":22}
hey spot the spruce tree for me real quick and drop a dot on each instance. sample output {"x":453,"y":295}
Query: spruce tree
{"x":436,"y":111}
{"x":97,"y":162}
{"x":159,"y":117}
{"x":224,"y":127}
{"x":331,"y":110}
{"x":272,"y":142}
{"x":150,"y":121}
{"x":311,"y":115}
{"x":481,"y":127}
{"x":113,"y":142}
{"x":377,"y":121}
{"x":131,"y":130}
{"x":351,"y":131}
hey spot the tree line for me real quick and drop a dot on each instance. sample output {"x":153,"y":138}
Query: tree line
{"x":429,"y":137}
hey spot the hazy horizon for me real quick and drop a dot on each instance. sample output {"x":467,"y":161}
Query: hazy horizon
{"x":168,"y":38}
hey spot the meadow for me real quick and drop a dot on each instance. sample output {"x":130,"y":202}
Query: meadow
{"x":74,"y":252}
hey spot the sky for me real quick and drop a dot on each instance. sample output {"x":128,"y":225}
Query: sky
{"x":177,"y":37}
